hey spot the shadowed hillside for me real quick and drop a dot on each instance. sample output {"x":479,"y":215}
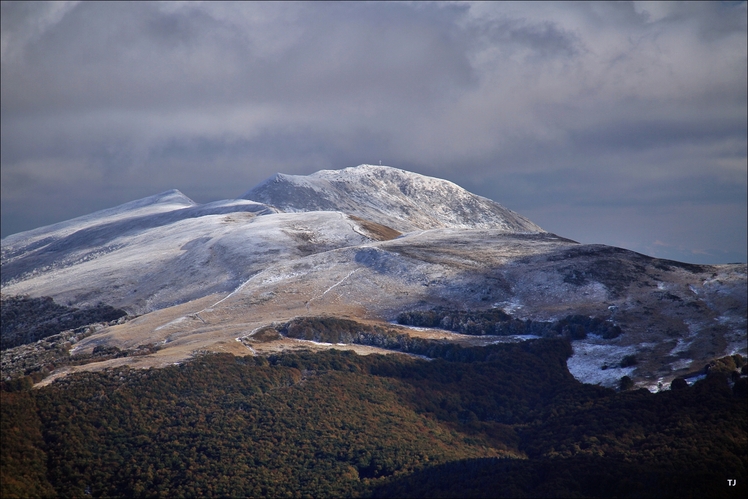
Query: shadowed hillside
{"x":26,"y":320}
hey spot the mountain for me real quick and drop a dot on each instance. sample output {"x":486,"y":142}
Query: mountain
{"x":373,"y":245}
{"x":166,"y":249}
{"x":396,"y":198}
{"x":367,"y":332}
{"x":145,"y":255}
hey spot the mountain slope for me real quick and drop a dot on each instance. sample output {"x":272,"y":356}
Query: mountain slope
{"x":166,"y":249}
{"x":24,"y":242}
{"x":396,"y":198}
{"x":149,"y":262}
{"x":674,"y":317}
{"x":208,"y":277}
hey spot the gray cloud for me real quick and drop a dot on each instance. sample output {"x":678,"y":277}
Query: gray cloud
{"x":574,"y":114}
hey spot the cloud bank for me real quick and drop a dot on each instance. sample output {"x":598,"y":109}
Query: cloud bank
{"x":617,"y":123}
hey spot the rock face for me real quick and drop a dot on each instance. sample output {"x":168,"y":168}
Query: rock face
{"x":371,"y":243}
{"x":396,"y":198}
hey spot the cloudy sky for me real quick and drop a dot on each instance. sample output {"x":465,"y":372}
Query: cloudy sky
{"x":617,"y":123}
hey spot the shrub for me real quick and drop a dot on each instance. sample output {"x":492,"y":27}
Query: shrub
{"x":626,"y":383}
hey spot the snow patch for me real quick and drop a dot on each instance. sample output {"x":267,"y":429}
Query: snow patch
{"x":515,"y":338}
{"x":172,"y":323}
{"x":587,"y":361}
{"x":681,"y":346}
{"x":509,"y":307}
{"x":681,"y":364}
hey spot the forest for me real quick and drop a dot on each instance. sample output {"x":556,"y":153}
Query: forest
{"x":506,"y":420}
{"x":497,"y":322}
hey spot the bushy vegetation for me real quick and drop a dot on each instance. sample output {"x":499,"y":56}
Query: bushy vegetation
{"x":23,"y":461}
{"x":497,"y":322}
{"x":36,"y":360}
{"x":577,"y":327}
{"x":26,"y":320}
{"x":494,"y":321}
{"x":504,"y":421}
{"x":345,"y":331}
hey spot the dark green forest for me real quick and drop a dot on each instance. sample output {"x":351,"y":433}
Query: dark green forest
{"x":506,"y":420}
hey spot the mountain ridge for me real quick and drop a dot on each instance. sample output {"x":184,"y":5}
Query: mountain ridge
{"x":168,"y":200}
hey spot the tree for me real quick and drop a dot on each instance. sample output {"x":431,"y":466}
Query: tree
{"x":626,"y":383}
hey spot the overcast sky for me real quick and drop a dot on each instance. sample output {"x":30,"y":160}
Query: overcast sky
{"x":617,"y":123}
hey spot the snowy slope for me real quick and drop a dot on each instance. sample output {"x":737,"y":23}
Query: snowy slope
{"x":396,"y":198}
{"x":23,"y":242}
{"x":164,"y":250}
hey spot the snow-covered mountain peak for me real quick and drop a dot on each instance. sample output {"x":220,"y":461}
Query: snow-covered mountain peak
{"x":170,"y":196}
{"x":393,"y":197}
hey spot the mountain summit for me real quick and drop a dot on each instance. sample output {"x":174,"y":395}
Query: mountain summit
{"x":396,"y":198}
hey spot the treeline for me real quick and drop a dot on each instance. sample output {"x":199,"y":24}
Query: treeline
{"x":26,"y":320}
{"x":497,"y":322}
{"x":511,"y":422}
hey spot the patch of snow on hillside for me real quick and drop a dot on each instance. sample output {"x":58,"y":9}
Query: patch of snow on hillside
{"x":417,"y":328}
{"x":587,"y":361}
{"x":515,"y":338}
{"x":172,"y":323}
{"x":508,"y":307}
{"x":681,"y":364}
{"x":681,"y":346}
